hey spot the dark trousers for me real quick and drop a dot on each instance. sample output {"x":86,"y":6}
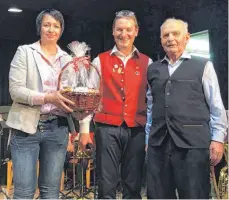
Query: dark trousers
{"x":171,"y":167}
{"x":117,"y":145}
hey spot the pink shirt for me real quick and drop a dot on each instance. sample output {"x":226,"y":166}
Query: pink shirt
{"x":49,"y":78}
{"x":52,"y":67}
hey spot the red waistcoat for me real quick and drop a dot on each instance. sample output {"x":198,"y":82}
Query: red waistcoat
{"x":123,"y":90}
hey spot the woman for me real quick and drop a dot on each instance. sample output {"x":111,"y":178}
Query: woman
{"x":40,"y":129}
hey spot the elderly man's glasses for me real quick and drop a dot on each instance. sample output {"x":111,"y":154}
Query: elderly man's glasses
{"x":124,"y":13}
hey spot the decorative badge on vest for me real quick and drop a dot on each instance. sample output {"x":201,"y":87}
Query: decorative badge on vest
{"x":119,"y":69}
{"x":115,"y":67}
{"x":137,"y":72}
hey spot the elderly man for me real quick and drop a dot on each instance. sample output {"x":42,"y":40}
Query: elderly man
{"x":120,"y":136}
{"x":187,"y":117}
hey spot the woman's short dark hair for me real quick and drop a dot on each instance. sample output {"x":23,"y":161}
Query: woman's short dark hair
{"x":54,"y":13}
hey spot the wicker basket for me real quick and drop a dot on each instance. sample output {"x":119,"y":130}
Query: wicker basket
{"x":85,"y":102}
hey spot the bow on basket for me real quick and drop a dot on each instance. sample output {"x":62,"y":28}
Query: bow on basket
{"x":74,"y":82}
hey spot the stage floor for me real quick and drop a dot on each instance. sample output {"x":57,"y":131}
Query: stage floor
{"x":88,"y":196}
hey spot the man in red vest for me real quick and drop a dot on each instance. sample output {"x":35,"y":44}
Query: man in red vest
{"x":120,"y":135}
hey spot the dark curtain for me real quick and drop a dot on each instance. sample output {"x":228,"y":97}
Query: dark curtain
{"x":219,"y":56}
{"x":7,"y":51}
{"x":98,"y":34}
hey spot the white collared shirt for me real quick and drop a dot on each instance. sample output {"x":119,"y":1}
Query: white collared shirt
{"x":123,"y":57}
{"x":94,"y":78}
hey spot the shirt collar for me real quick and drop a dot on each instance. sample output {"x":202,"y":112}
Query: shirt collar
{"x":118,"y":53}
{"x":185,"y":55}
{"x":36,"y":46}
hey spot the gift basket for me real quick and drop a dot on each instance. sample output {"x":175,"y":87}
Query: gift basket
{"x":74,"y":82}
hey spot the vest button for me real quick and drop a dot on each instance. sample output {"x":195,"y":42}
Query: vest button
{"x":168,"y":93}
{"x":121,"y":88}
{"x":121,"y":80}
{"x":169,"y":81}
{"x":124,"y":113}
{"x":166,"y":106}
{"x":123,"y":98}
{"x":126,"y":105}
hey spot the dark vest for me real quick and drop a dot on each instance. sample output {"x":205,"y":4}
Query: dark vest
{"x":179,"y":105}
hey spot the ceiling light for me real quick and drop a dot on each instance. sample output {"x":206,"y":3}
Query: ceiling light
{"x":15,"y":10}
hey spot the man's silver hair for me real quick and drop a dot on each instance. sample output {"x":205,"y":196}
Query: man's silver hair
{"x":185,"y":24}
{"x":125,"y":14}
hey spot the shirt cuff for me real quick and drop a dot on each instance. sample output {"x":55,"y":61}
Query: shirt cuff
{"x":84,"y":126}
{"x":38,"y":100}
{"x":218,"y":137}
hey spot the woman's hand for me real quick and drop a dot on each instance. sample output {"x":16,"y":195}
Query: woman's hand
{"x":59,"y":101}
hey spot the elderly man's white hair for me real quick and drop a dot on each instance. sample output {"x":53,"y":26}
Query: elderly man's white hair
{"x":185,"y":24}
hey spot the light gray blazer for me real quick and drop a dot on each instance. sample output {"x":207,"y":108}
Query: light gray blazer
{"x":25,"y":83}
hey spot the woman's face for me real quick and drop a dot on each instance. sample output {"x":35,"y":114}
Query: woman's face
{"x":50,"y":29}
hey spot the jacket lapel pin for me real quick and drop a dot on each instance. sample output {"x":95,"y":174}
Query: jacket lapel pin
{"x":119,"y":70}
{"x":115,"y":66}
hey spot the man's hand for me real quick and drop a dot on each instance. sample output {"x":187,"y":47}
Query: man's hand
{"x":84,"y":140}
{"x":59,"y":101}
{"x":146,"y":147}
{"x":216,"y":152}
